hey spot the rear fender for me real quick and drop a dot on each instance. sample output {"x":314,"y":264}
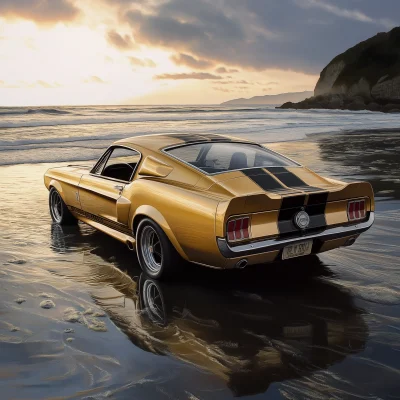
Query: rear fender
{"x":156,"y":216}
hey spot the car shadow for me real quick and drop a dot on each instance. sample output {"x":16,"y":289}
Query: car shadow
{"x":250,"y":327}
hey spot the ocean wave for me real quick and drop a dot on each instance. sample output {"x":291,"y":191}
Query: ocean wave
{"x":100,"y":121}
{"x":185,"y":110}
{"x":5,"y":112}
{"x":52,"y":111}
{"x":48,"y":159}
{"x":90,"y":111}
{"x":7,"y":145}
{"x":30,"y":111}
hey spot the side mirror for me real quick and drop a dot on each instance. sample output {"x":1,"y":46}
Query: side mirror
{"x":153,"y":167}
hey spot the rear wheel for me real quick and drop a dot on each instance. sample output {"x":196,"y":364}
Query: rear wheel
{"x":58,"y":209}
{"x":157,"y":257}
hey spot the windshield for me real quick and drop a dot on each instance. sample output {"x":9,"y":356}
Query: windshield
{"x":220,"y":157}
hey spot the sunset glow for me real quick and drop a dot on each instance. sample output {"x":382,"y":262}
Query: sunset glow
{"x":102,"y":52}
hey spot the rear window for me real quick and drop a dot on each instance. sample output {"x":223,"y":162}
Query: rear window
{"x":222,"y":157}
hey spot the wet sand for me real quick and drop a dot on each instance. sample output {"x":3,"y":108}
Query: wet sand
{"x":79,"y":320}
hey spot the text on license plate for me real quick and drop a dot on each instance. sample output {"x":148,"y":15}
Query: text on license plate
{"x":297,"y":250}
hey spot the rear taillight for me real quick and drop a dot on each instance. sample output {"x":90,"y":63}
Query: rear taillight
{"x":238,"y":229}
{"x":356,"y":210}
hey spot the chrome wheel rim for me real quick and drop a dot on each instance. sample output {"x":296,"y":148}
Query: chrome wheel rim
{"x":154,"y":302}
{"x":151,"y":249}
{"x":56,"y":206}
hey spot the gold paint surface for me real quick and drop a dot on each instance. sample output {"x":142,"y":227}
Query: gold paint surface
{"x":264,"y":224}
{"x":151,"y":166}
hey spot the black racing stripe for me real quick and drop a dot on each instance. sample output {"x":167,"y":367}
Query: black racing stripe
{"x":293,"y":202}
{"x":214,"y":138}
{"x":317,"y":216}
{"x":276,"y":169}
{"x":289,"y":207}
{"x":288,"y":178}
{"x":187,"y":137}
{"x":315,"y":208}
{"x":317,"y":198}
{"x":308,"y":188}
{"x":264,"y":180}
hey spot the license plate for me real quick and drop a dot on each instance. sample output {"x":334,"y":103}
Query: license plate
{"x":297,"y":331}
{"x":297,"y":250}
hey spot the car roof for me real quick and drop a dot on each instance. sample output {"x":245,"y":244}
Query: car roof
{"x":161,"y":141}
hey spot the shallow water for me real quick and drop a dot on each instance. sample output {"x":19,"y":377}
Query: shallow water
{"x":321,"y":327}
{"x":42,"y":134}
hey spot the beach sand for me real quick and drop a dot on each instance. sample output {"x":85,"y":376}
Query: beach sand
{"x":79,"y":320}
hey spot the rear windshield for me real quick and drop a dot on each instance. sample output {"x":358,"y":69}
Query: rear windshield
{"x":222,"y":157}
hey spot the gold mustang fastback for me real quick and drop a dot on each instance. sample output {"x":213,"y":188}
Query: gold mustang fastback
{"x":211,"y":200}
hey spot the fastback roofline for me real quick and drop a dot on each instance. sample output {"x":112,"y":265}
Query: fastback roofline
{"x":164,"y":151}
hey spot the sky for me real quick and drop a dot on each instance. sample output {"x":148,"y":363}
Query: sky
{"x":76,"y":52}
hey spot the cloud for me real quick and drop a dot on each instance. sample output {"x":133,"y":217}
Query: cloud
{"x":223,"y":70}
{"x":190,"y":61}
{"x":354,"y":15}
{"x":40,"y":11}
{"x":138,"y":62}
{"x":272,"y":83}
{"x":259,"y":34}
{"x":121,"y":42}
{"x":222,"y":89}
{"x":192,"y":75}
{"x":94,"y":79}
{"x":46,"y":85}
{"x":30,"y":85}
{"x":240,"y":82}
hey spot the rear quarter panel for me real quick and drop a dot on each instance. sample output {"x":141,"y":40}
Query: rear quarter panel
{"x":186,"y":215}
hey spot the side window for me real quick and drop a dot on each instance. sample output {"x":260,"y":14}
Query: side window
{"x":120,"y":164}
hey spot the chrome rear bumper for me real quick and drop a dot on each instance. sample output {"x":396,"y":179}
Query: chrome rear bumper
{"x":278,"y":244}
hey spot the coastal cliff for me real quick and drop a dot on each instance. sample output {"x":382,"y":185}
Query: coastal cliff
{"x":365,"y":77}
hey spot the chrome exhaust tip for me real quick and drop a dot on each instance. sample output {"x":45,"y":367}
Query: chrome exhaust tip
{"x":241,"y":264}
{"x":350,"y":241}
{"x":130,"y":245}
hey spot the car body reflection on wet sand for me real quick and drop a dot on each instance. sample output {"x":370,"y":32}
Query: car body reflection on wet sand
{"x":250,"y":329}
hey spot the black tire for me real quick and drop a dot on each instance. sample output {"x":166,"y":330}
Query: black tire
{"x":58,"y":209}
{"x":158,"y":259}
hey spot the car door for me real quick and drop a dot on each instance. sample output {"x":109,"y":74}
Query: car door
{"x":101,"y":191}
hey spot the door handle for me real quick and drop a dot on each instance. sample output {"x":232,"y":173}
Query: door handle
{"x":119,"y":187}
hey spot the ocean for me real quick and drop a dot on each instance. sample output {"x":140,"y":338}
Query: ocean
{"x":79,"y":320}
{"x":54,"y":134}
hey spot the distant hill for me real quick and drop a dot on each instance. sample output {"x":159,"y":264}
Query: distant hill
{"x":365,"y":77}
{"x":271,"y":99}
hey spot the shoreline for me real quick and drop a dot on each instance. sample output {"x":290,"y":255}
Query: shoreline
{"x":309,"y":137}
{"x":343,"y":102}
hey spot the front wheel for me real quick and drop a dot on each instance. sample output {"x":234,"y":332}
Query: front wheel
{"x":157,"y":257}
{"x":58,"y":209}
